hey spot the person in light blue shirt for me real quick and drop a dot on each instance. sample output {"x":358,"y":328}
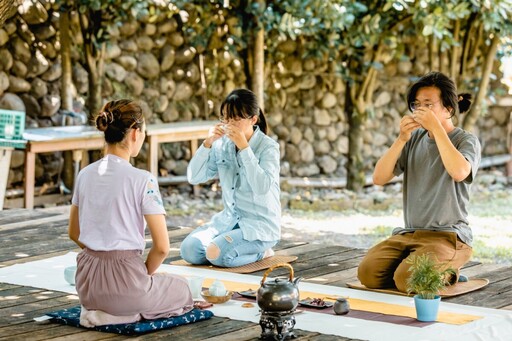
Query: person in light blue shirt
{"x":246,"y":161}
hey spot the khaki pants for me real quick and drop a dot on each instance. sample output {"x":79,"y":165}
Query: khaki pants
{"x":384,"y":266}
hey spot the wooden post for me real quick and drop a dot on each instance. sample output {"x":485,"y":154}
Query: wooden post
{"x":258,"y":72}
{"x":5,"y":162}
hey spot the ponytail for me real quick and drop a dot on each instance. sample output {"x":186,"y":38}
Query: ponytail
{"x":262,"y":122}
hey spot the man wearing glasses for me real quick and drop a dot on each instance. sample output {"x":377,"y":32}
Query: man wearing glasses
{"x":439,"y":162}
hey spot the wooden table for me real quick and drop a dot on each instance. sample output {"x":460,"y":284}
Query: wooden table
{"x":174,"y":132}
{"x":54,"y":139}
{"x":82,"y":138}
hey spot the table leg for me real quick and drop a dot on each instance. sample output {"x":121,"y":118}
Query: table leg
{"x":77,"y":159}
{"x":153,"y":155}
{"x":5,"y":162}
{"x":30,"y":170}
{"x":193,"y":149}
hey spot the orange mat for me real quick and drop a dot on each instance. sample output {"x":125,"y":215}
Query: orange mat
{"x":361,"y":304}
{"x":456,"y":289}
{"x":252,"y":267}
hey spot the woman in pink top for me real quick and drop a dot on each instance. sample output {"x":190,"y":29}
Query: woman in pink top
{"x":111,"y":205}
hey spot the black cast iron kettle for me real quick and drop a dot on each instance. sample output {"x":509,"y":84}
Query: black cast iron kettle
{"x":278,"y":294}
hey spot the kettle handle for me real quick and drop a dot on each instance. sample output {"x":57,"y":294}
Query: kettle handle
{"x":280,"y":265}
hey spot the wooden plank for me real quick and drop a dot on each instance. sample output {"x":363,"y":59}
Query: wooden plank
{"x":23,"y":331}
{"x":328,"y":256}
{"x":84,"y":335}
{"x":496,"y":295}
{"x":17,"y":215}
{"x":35,"y":222}
{"x":186,"y":332}
{"x":248,"y":333}
{"x":40,"y":256}
{"x":5,"y":286}
{"x":297,"y":250}
{"x":26,"y":312}
{"x":318,"y":268}
{"x":37,"y":248}
{"x":20,"y":295}
{"x":325,"y":337}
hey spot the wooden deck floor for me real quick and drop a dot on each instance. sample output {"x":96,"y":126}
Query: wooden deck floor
{"x":29,"y":235}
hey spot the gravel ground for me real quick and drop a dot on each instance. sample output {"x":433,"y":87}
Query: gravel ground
{"x":339,"y":217}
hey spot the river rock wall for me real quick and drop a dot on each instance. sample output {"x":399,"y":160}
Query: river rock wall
{"x":151,"y":62}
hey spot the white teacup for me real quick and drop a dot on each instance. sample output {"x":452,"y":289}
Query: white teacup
{"x":69,"y":274}
{"x":196,"y":285}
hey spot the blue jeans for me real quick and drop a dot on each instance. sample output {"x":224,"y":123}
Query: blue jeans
{"x":234,"y":249}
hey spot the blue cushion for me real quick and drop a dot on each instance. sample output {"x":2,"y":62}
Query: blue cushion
{"x":71,"y":317}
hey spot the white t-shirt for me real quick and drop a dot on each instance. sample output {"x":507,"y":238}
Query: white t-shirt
{"x":112,"y":198}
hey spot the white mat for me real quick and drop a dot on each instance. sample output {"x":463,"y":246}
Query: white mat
{"x":496,"y":324}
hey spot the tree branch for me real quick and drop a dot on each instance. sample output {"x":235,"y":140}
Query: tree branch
{"x":455,"y":52}
{"x":467,"y":44}
{"x":472,"y":116}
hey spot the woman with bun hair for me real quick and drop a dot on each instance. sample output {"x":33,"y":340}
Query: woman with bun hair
{"x":439,"y":162}
{"x":246,"y":161}
{"x":112,"y":203}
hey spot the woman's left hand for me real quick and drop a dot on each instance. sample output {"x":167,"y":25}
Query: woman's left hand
{"x":236,"y":135}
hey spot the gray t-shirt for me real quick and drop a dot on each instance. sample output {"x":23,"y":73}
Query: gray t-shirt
{"x":432,"y":199}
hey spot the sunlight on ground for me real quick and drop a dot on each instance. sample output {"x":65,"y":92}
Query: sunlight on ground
{"x":492,"y":234}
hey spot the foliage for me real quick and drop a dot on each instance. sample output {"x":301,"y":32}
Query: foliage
{"x":209,"y":25}
{"x":427,"y":276}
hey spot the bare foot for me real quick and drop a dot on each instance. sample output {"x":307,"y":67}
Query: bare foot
{"x":268,"y":253}
{"x":202,"y":304}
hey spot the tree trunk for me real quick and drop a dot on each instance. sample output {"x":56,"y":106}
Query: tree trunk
{"x":258,"y":74}
{"x":65,"y":91}
{"x":355,"y":171}
{"x":472,"y":116}
{"x":355,"y":174}
{"x":94,"y":61}
{"x":431,"y":54}
{"x":455,"y":52}
{"x":94,"y":101}
{"x":94,"y":66}
{"x":65,"y":55}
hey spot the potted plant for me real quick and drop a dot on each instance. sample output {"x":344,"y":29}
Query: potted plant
{"x":427,"y":278}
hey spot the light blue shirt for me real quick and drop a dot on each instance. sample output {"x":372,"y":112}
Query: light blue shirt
{"x":250,"y":184}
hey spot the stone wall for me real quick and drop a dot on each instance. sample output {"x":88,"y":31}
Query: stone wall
{"x":152,"y":63}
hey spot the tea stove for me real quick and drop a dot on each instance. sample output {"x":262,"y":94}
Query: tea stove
{"x":277,"y":325}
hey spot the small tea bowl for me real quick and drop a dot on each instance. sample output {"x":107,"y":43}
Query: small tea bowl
{"x":216,"y":299}
{"x":69,"y":274}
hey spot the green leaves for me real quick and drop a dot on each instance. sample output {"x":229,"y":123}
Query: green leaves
{"x":427,"y":276}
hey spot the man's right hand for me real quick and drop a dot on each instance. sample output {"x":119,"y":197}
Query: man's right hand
{"x":407,"y":126}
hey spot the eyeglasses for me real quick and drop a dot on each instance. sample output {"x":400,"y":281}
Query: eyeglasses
{"x":416,"y":105}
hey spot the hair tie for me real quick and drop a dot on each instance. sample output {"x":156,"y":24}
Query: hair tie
{"x":108,"y":116}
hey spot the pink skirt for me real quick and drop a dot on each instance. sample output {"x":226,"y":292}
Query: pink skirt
{"x":117,"y":283}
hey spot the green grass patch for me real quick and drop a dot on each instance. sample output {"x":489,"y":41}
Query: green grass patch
{"x":491,"y":254}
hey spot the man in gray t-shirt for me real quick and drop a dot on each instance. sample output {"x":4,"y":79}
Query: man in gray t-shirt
{"x":439,"y":162}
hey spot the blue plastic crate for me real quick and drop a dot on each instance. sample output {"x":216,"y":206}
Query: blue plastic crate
{"x":12,"y":126}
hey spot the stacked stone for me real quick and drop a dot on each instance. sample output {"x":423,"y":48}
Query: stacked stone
{"x":150,"y":60}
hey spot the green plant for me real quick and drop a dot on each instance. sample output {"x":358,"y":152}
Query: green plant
{"x":427,"y":276}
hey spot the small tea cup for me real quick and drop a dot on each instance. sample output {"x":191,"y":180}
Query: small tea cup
{"x":196,"y":286}
{"x":69,"y":274}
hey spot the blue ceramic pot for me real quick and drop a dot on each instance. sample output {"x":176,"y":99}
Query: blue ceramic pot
{"x":426,"y":310}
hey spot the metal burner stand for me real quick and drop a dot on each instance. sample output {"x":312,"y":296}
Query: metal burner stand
{"x":277,"y":325}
